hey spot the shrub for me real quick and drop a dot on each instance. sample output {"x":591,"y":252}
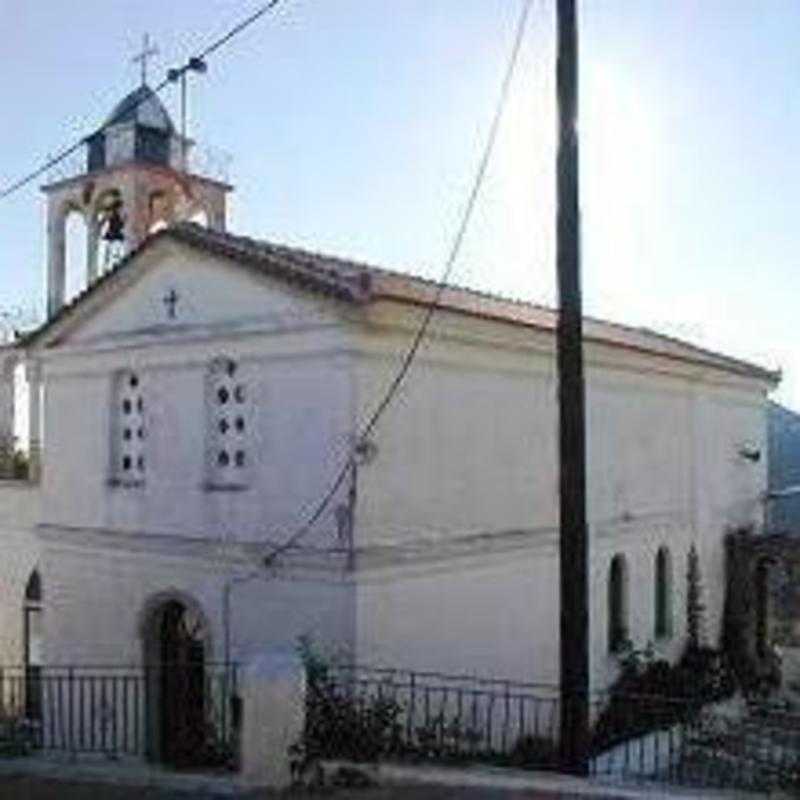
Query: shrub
{"x":14,"y":464}
{"x":340,"y":723}
{"x":651,"y":694}
{"x":695,"y":609}
{"x":536,"y":752}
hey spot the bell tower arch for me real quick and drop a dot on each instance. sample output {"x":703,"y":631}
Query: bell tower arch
{"x":133,"y":181}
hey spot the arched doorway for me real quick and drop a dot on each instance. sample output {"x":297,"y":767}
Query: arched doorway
{"x":175,"y":650}
{"x":33,"y":642}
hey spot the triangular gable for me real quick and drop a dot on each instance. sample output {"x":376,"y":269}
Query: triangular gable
{"x":174,"y":283}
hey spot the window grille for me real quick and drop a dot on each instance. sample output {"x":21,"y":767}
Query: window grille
{"x":228,"y":425}
{"x":129,"y":462}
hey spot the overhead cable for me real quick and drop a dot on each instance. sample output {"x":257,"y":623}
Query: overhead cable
{"x":433,"y":303}
{"x":191,"y":64}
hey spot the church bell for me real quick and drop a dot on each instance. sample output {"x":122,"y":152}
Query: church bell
{"x":114,"y":223}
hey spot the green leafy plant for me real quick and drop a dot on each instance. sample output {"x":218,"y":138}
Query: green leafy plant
{"x":17,"y":736}
{"x":695,"y":609}
{"x":14,"y":463}
{"x":651,"y":694}
{"x":340,"y":721}
{"x":536,"y":752}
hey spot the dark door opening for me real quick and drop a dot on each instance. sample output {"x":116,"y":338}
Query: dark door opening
{"x":182,"y":687}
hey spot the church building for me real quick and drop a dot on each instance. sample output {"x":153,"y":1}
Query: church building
{"x":189,"y":409}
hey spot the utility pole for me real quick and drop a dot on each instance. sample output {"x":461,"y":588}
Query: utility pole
{"x":571,"y":404}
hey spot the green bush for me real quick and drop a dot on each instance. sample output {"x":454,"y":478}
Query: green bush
{"x":535,"y":752}
{"x":340,"y":723}
{"x":14,"y":464}
{"x":652,"y":694}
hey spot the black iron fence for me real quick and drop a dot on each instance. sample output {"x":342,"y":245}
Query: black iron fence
{"x":367,"y":714}
{"x":729,"y":744}
{"x":183,"y":713}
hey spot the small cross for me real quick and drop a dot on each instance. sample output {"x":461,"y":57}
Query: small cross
{"x":147,"y":51}
{"x":170,"y":301}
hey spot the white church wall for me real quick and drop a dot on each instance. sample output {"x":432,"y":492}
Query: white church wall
{"x":496,"y":615}
{"x":97,"y":601}
{"x":21,"y":556}
{"x":467,"y":445}
{"x":19,"y":512}
{"x":470,"y":446}
{"x":639,"y":544}
{"x":8,"y":370}
{"x":729,"y":486}
{"x":298,"y":384}
{"x":499,"y":615}
{"x":291,"y":448}
{"x":19,"y":505}
{"x":212,"y":295}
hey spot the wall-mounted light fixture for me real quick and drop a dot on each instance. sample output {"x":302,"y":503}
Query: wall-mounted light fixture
{"x":364,"y":451}
{"x":750,"y":453}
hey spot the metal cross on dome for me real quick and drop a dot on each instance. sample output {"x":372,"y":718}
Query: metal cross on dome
{"x":148,"y":50}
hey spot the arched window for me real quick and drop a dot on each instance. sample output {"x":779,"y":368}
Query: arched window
{"x":663,"y":596}
{"x":110,"y":220}
{"x":159,"y":210}
{"x":77,"y":246}
{"x":33,"y":590}
{"x":617,"y":604}
{"x":33,"y":641}
{"x":228,"y":423}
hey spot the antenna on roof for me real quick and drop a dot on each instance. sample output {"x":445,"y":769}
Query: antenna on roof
{"x":195,"y":64}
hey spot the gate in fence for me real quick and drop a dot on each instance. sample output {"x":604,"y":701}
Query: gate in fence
{"x":180,"y":714}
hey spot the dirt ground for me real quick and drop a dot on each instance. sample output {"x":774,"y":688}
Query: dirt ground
{"x":28,"y":788}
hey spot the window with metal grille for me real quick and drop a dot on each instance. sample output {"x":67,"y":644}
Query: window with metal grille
{"x":129,"y":430}
{"x":227,"y":425}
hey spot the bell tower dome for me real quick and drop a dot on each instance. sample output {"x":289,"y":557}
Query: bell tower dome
{"x":136,"y":177}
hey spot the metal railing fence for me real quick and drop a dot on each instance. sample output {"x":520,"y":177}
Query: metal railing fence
{"x":120,"y":711}
{"x":367,"y":714}
{"x":728,"y":744}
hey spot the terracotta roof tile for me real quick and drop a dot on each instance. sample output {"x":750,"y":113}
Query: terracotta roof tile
{"x":364,"y":283}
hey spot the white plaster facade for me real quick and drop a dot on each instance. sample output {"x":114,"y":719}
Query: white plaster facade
{"x":470,"y":448}
{"x":454,"y":564}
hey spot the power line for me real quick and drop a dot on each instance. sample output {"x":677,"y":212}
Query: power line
{"x":432,"y":306}
{"x":32,"y":176}
{"x":191,"y":64}
{"x":237,"y":29}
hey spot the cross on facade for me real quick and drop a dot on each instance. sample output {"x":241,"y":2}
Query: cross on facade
{"x":148,"y":50}
{"x":170,"y":301}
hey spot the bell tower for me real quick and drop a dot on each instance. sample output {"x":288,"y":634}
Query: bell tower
{"x":135,"y":179}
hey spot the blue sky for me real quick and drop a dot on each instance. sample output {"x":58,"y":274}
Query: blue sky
{"x":355,"y":127}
